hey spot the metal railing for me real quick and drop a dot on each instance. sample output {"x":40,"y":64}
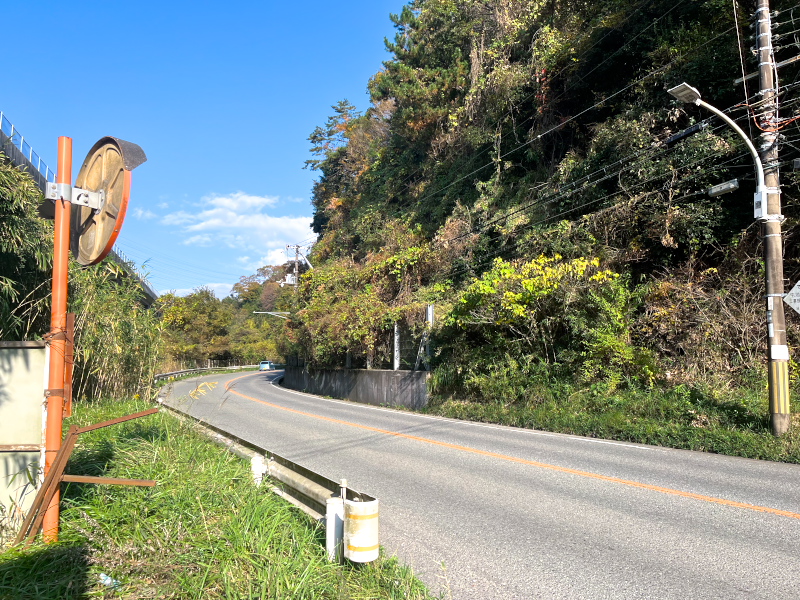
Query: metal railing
{"x":174,"y":374}
{"x":119,"y":257}
{"x":321,"y":498}
{"x":18,"y":140}
{"x":20,"y":152}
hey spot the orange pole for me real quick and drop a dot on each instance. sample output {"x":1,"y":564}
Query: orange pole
{"x":58,"y":330}
{"x":69,"y":360}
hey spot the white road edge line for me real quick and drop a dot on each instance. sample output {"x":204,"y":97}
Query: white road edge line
{"x":463,"y":423}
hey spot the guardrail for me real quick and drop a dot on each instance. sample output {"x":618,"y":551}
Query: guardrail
{"x":175,"y":374}
{"x":350,"y":517}
{"x":18,"y":141}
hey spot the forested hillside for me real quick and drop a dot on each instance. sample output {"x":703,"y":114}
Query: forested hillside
{"x":199,"y":327}
{"x":515,"y":169}
{"x":522,"y":168}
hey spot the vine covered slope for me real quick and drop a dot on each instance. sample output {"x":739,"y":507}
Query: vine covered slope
{"x":518,"y":168}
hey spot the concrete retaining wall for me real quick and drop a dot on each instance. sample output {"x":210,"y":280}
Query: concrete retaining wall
{"x":381,"y":388}
{"x":23,"y":379}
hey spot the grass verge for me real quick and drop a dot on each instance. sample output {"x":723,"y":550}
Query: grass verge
{"x":205,"y":531}
{"x":733,"y":422}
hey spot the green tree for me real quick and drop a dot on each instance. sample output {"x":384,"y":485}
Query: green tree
{"x":196,"y":326}
{"x":25,"y":257}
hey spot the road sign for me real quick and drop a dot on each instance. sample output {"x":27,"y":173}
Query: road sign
{"x":793,"y":297}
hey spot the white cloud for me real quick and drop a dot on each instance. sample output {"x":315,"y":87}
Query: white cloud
{"x":178,"y":218}
{"x":221,"y":290}
{"x":198,"y":240}
{"x":163,"y":205}
{"x":239,"y":201}
{"x":242,"y":222}
{"x":274,"y":257}
{"x":144,"y":214}
{"x":178,"y":292}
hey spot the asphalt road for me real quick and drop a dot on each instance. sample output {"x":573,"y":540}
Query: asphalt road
{"x":488,"y":512}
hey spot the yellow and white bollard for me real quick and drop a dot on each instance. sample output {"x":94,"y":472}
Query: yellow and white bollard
{"x":361,"y":542}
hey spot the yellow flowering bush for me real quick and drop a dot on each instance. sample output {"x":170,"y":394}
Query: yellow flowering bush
{"x":570,"y":312}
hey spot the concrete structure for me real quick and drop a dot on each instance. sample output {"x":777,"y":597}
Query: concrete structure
{"x":377,"y":387}
{"x":23,"y":375}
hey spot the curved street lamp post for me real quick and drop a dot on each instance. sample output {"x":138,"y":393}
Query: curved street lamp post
{"x":766,"y":210}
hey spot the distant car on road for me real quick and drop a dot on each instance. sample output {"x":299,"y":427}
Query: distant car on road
{"x":265,"y":365}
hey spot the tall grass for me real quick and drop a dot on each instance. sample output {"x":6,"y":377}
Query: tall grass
{"x":117,"y":341}
{"x":25,"y":256}
{"x":733,"y":422}
{"x":205,"y":531}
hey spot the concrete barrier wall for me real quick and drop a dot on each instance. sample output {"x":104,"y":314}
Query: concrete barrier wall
{"x":23,"y":379}
{"x":381,"y":388}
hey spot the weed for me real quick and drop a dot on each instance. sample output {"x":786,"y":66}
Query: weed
{"x":733,"y":422}
{"x":205,"y":531}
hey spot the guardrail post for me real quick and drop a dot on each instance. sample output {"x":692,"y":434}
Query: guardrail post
{"x":361,"y":541}
{"x":334,"y":528}
{"x":259,"y":468}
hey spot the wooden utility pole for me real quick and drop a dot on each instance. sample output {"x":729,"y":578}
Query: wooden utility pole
{"x":777,"y":350}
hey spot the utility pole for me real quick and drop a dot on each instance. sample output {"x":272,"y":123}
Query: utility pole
{"x":296,"y":264}
{"x":771,"y":219}
{"x":396,"y":362}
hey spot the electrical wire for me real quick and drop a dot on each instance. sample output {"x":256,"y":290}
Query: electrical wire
{"x":563,"y":54}
{"x":570,"y":119}
{"x":741,"y":60}
{"x":581,"y":182}
{"x":552,"y":218}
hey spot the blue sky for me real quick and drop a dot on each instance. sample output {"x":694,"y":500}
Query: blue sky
{"x":220,"y":95}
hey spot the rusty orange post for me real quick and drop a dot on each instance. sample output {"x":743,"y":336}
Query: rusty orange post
{"x":58,"y":332}
{"x":69,"y":363}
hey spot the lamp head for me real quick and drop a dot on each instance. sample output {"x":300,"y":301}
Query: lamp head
{"x":723,"y":188}
{"x":685,"y":93}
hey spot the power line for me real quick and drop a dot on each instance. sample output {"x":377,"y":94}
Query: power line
{"x":572,"y":118}
{"x":552,"y":218}
{"x":562,"y":194}
{"x":563,"y":54}
{"x":653,"y":150}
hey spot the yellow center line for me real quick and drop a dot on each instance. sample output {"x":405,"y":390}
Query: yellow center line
{"x":532,"y":463}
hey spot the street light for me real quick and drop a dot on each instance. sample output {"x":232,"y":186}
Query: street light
{"x":688,"y":94}
{"x":723,"y":188}
{"x":778,"y":349}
